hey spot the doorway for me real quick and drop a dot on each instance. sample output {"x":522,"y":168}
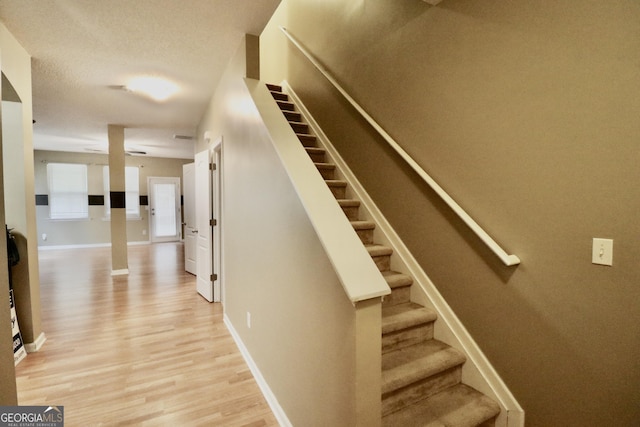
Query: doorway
{"x":164,"y":209}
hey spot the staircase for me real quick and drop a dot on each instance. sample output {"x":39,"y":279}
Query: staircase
{"x":421,"y":376}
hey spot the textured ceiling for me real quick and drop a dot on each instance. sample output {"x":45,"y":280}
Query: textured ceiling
{"x":82,"y":49}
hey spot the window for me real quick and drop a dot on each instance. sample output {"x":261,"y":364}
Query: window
{"x":132,"y":191}
{"x":68,"y":196}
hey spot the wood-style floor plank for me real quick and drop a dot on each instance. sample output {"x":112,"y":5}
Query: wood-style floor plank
{"x":143,"y":349}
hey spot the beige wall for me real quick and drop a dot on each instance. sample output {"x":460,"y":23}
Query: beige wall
{"x":8,"y":394}
{"x":96,"y":230}
{"x":19,"y":207}
{"x":16,"y":66}
{"x":18,"y":215}
{"x":527,"y":114}
{"x":302,"y":336}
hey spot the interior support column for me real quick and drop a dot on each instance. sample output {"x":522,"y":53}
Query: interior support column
{"x":119,"y":262}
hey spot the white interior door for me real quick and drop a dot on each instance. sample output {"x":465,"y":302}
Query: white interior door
{"x":204,"y":281}
{"x":189,"y":213}
{"x":164,"y":208}
{"x":216,"y":208}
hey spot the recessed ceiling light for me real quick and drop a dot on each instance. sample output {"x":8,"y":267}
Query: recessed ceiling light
{"x":156,"y":88}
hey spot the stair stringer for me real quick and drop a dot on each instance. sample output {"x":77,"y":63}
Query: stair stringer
{"x":477,"y":372}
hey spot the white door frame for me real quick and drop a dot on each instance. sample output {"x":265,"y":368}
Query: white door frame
{"x":164,"y":180}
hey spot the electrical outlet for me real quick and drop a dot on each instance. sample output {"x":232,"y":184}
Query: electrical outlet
{"x":602,"y":251}
{"x":248,"y":320}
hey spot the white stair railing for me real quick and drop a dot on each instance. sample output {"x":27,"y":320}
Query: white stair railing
{"x":507,"y":259}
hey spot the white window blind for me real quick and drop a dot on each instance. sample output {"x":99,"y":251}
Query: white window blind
{"x":68,"y":195}
{"x":132,"y":191}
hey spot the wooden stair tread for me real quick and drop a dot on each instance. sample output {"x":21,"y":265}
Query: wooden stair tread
{"x":274,"y":88}
{"x":336,"y":182}
{"x":397,"y":280}
{"x":460,"y":406}
{"x":406,"y":315}
{"x":408,"y":365}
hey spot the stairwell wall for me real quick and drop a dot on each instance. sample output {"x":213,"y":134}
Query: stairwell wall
{"x":526,"y":113}
{"x":302,"y":332}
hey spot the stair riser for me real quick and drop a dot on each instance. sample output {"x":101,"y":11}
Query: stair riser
{"x":300,"y":127}
{"x":286,"y":106}
{"x":383,"y":262}
{"x":489,"y":423}
{"x":406,"y":337}
{"x":352,"y":213}
{"x":419,"y":390}
{"x":292,"y":117}
{"x":338,"y":192}
{"x":280,"y":96}
{"x":366,"y":237}
{"x":327,"y":173}
{"x":397,"y":296}
{"x":316,"y":157}
{"x":308,"y":141}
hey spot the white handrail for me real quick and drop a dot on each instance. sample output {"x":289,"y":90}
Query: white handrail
{"x":506,"y":258}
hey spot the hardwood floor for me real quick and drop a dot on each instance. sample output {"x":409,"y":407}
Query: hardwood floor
{"x":142,"y":349}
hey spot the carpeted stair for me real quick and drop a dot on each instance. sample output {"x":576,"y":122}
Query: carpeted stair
{"x":421,"y":376}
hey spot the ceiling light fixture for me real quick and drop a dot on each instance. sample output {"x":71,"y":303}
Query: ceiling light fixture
{"x":156,"y":88}
{"x":135,"y":153}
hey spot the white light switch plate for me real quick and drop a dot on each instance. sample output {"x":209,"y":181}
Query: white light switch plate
{"x":602,"y":252}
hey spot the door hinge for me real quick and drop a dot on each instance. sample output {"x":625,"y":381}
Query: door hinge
{"x":213,"y":222}
{"x":214,"y":277}
{"x":212,"y":166}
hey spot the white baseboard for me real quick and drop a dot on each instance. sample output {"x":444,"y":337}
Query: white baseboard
{"x":277,"y":410}
{"x":121,"y":272}
{"x":32,"y":347}
{"x":89,"y":245}
{"x":139,"y":243}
